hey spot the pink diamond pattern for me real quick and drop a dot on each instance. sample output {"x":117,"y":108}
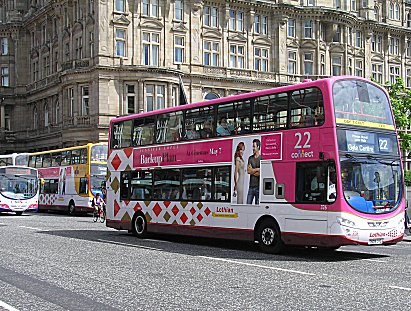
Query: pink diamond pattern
{"x":128,"y":152}
{"x":175,"y":210}
{"x":157,"y":209}
{"x":116,"y":208}
{"x":184,"y":218}
{"x":200,"y":217}
{"x":207,"y":211}
{"x":116,"y":162}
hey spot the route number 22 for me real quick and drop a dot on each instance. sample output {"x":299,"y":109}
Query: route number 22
{"x":307,"y":137}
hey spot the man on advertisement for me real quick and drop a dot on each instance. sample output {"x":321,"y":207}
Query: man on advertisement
{"x":253,"y":168}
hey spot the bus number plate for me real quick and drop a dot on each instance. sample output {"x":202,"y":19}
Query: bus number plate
{"x":375,"y":241}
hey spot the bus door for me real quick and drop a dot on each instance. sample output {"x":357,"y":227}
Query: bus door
{"x":272,"y":191}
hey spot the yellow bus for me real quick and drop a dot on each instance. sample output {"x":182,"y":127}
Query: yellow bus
{"x":70,"y":177}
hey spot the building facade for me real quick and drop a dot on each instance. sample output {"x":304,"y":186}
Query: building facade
{"x":69,"y":66}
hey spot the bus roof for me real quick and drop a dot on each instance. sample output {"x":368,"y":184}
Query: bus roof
{"x":68,"y":148}
{"x":286,"y":88}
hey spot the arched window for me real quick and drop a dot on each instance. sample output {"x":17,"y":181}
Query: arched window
{"x":211,"y":95}
{"x":391,"y":10}
{"x":46,"y":115}
{"x":397,"y":11}
{"x":377,"y":13}
{"x":57,"y":116}
{"x":35,"y":118}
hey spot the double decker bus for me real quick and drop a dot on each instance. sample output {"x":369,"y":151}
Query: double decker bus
{"x":70,"y":177}
{"x":18,"y":189}
{"x":314,"y":164}
{"x":19,"y":159}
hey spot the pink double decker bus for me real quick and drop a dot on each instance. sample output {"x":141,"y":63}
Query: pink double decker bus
{"x":315,"y":164}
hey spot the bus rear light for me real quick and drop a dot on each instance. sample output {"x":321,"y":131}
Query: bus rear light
{"x":4,"y":206}
{"x":33,"y":206}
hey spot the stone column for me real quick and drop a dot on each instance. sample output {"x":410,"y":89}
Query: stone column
{"x":140,"y":96}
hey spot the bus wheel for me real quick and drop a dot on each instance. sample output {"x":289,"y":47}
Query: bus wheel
{"x":19,"y":213}
{"x":71,"y":208}
{"x":139,"y":225}
{"x":269,"y":237}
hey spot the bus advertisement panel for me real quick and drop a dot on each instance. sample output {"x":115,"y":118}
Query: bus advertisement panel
{"x":275,"y":166}
{"x":70,"y":177}
{"x":18,"y":189}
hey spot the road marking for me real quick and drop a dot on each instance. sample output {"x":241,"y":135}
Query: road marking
{"x":255,"y":265}
{"x":7,"y":307}
{"x":398,"y":287}
{"x":375,"y":260}
{"x":127,"y":244}
{"x":33,"y":228}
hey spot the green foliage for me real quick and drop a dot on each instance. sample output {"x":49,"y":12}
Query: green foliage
{"x":400,"y":98}
{"x":407,"y":178}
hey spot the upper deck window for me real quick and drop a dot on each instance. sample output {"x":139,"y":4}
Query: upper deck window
{"x":199,"y":123}
{"x":307,"y":108}
{"x":270,"y":112}
{"x":361,"y":103}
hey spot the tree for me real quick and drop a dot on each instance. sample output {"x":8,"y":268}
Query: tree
{"x":400,"y":98}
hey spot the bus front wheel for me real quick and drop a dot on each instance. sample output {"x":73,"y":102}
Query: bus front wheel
{"x":269,"y":237}
{"x":139,"y":225}
{"x":71,"y":208}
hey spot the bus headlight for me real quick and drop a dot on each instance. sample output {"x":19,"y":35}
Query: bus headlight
{"x":345,"y":222}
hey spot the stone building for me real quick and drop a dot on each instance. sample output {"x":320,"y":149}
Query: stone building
{"x":69,"y":66}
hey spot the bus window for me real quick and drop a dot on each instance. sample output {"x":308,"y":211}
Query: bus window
{"x":141,"y":185}
{"x":169,"y":127}
{"x":75,"y":156}
{"x":311,"y":183}
{"x":199,"y":122}
{"x":237,"y":115}
{"x":65,"y":158}
{"x":197,"y":184}
{"x":46,"y":160}
{"x":143,"y":131}
{"x":222,"y":184}
{"x":32,"y":161}
{"x":22,"y":159}
{"x":99,"y":152}
{"x":125,"y":186}
{"x":56,"y":159}
{"x":121,"y":134}
{"x":167,"y":184}
{"x":6,"y":161}
{"x":83,"y":188}
{"x":83,"y":156}
{"x":39,"y":161}
{"x":266,"y":114}
{"x":50,"y":186}
{"x":307,"y":108}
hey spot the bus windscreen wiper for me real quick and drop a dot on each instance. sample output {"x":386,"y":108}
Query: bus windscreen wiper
{"x":392,"y":163}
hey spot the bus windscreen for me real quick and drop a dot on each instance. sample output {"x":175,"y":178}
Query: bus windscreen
{"x":360,"y":103}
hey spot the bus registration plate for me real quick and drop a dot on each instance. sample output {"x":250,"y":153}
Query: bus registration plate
{"x":375,"y":241}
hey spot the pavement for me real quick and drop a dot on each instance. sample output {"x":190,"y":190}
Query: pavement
{"x":407,"y":235}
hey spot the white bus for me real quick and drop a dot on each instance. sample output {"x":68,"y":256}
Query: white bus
{"x":18,"y":189}
{"x":19,"y":159}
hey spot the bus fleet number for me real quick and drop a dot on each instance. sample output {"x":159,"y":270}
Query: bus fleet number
{"x":300,"y":138}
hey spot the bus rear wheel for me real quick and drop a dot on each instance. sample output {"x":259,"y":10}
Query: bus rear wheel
{"x":139,"y":225}
{"x":269,"y":237}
